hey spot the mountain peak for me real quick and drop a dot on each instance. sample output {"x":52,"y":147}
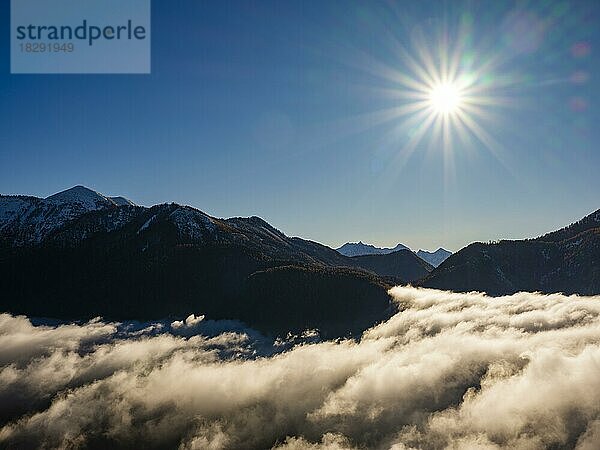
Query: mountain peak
{"x":359,"y":249}
{"x":434,"y":258}
{"x":79,"y":194}
{"x":76,"y":190}
{"x":88,"y":198}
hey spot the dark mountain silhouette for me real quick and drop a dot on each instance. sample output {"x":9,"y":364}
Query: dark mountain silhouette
{"x":79,"y":254}
{"x":403,"y":265}
{"x":567,"y":260}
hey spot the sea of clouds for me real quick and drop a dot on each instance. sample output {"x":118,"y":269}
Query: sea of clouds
{"x":459,"y":371}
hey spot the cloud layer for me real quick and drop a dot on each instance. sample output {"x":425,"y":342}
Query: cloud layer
{"x":459,"y":371}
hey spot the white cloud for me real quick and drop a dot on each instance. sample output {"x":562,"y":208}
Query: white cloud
{"x":461,"y":371}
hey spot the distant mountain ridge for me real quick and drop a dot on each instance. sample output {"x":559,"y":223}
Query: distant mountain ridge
{"x":360,"y":249}
{"x":567,"y":260}
{"x":434,"y":258}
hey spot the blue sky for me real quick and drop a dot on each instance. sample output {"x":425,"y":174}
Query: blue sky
{"x":270,"y":109}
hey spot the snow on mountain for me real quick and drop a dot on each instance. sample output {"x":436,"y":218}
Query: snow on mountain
{"x":70,"y":204}
{"x":12,"y":206}
{"x":434,"y":258}
{"x":81,"y":196}
{"x":360,"y":249}
{"x":122,"y":201}
{"x":191,"y":223}
{"x":147,"y":223}
{"x":26,"y":219}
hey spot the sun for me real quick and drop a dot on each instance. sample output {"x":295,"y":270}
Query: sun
{"x":441,"y":94}
{"x":445,"y":98}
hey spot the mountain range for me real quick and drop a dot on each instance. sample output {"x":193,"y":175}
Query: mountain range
{"x":79,"y":254}
{"x":360,"y":249}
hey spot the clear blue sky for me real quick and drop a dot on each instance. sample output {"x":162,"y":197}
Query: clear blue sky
{"x":269,"y":108}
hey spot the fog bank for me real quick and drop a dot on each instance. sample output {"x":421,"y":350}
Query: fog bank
{"x":460,"y":371}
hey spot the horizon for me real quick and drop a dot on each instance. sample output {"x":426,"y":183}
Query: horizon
{"x":333,"y":246}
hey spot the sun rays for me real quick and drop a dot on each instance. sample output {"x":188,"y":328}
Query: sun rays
{"x":449,"y":94}
{"x":443,"y":93}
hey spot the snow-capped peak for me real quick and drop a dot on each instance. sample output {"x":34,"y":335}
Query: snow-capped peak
{"x":31,"y":219}
{"x":81,"y":195}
